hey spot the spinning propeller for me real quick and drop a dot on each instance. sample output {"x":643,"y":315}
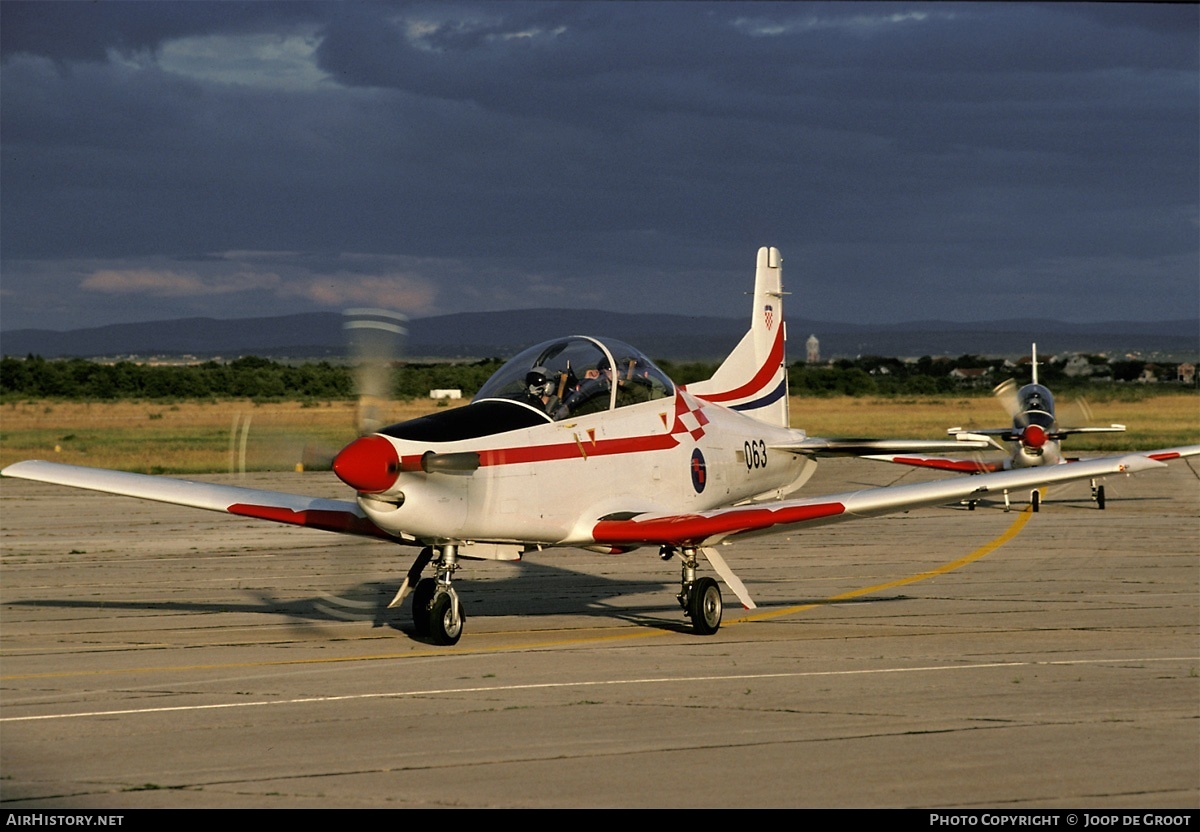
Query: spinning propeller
{"x":1031,"y":435}
{"x":374,"y":338}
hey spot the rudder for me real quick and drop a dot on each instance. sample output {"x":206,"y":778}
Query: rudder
{"x":753,"y":379}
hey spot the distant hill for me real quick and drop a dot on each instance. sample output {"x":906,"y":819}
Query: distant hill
{"x":677,"y":337}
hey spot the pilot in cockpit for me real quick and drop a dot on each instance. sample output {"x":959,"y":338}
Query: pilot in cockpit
{"x":540,"y":390}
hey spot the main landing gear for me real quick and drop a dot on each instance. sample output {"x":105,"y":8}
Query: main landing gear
{"x":1098,"y":495}
{"x":437,"y":612}
{"x":1035,"y":500}
{"x":438,"y":615}
{"x":699,"y":597}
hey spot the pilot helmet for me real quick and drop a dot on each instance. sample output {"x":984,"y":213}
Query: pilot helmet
{"x":538,"y":383}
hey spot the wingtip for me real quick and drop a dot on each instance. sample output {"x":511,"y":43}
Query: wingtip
{"x":1133,"y":463}
{"x":14,"y":470}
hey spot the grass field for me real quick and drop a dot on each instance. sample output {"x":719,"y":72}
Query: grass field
{"x":209,"y":437}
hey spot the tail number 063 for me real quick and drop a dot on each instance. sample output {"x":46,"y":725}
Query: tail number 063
{"x":756,"y":454}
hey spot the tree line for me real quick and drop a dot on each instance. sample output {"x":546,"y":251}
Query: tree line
{"x":263,"y":379}
{"x":248,"y":377}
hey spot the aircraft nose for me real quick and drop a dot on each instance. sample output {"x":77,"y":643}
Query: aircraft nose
{"x":1034,"y":436}
{"x":369,"y":464}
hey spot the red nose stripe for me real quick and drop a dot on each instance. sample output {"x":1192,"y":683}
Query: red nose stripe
{"x":1034,"y":436}
{"x":369,"y":464}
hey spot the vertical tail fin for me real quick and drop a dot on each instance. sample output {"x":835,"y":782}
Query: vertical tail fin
{"x":753,"y":379}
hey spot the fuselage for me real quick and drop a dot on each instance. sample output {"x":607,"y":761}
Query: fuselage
{"x":548,"y":482}
{"x":1033,"y":440}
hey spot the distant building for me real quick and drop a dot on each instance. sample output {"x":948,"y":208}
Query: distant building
{"x":1186,"y":373}
{"x":1078,"y":365}
{"x":973,"y":374}
{"x":445,"y":394}
{"x":813,"y":347}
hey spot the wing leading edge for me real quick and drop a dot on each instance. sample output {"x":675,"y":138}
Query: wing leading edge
{"x":292,"y":509}
{"x":818,"y":447}
{"x":710,"y":527}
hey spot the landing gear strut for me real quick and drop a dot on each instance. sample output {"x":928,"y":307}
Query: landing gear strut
{"x":699,"y":597}
{"x":437,"y":613}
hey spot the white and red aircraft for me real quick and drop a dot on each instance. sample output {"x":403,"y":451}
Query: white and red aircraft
{"x":584,"y":442}
{"x":1033,"y":440}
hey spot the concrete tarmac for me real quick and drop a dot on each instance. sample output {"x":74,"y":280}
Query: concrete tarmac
{"x":155,"y":656}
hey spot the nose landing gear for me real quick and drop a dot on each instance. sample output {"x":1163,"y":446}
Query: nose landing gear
{"x":437,"y":612}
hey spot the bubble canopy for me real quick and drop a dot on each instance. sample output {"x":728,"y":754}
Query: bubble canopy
{"x":578,"y":375}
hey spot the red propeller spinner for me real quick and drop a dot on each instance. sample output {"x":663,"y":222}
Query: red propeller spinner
{"x":369,"y":464}
{"x":1033,"y":436}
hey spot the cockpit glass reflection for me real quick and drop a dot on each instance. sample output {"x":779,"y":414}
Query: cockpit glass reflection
{"x":578,"y":375}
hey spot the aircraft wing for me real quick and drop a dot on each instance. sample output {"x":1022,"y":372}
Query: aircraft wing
{"x":978,"y":466}
{"x":706,"y":528}
{"x":293,"y":509}
{"x":1173,"y":453}
{"x":1012,"y":435}
{"x":1068,"y":431}
{"x":818,"y":447}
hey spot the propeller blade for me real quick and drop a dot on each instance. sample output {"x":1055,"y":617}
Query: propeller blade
{"x":1075,"y":413}
{"x":1006,"y":393}
{"x":375,"y":337}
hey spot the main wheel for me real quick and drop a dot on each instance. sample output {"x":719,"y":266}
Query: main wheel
{"x":704,"y":606}
{"x":421,"y":598}
{"x":444,"y":628}
{"x":1100,"y":497}
{"x":1035,"y":499}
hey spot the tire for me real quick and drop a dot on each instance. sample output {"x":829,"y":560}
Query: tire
{"x":442,"y":630}
{"x":1100,"y":497}
{"x":1035,"y":499}
{"x":705,"y":606}
{"x":421,"y":598}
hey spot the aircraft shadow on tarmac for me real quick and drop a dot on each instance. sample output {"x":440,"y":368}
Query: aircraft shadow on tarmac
{"x":533,"y":590}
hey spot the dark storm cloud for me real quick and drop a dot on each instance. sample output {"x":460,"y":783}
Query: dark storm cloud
{"x":912,"y":160}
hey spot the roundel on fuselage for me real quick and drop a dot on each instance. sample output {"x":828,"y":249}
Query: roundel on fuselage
{"x":699,"y":471}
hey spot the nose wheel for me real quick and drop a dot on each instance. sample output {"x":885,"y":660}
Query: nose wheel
{"x":437,"y":613}
{"x":446,"y":619}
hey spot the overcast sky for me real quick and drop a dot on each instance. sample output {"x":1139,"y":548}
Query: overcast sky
{"x":911,"y":160}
